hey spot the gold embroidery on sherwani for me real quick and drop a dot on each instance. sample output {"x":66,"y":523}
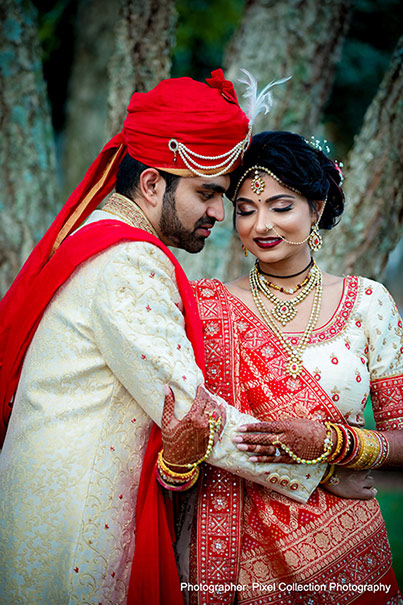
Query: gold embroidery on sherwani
{"x":129,"y":212}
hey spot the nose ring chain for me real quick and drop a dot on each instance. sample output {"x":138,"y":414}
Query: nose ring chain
{"x":269,"y":227}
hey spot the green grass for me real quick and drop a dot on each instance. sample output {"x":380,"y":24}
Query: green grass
{"x":391,"y":507}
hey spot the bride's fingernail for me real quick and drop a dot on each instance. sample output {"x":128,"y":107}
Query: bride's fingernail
{"x":237,"y":439}
{"x":243,"y":447}
{"x":253,"y":459}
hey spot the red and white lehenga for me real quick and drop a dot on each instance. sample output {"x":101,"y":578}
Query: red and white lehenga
{"x":321,"y":551}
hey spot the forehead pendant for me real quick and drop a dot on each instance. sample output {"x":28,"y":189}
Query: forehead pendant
{"x":257,"y":184}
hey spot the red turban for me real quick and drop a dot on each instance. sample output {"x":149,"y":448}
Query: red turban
{"x":202,"y":120}
{"x":187,"y":127}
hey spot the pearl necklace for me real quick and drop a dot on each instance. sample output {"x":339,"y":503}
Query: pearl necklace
{"x":295,"y":354}
{"x":285,"y":310}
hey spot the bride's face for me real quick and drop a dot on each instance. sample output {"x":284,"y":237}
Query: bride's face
{"x":263,"y":219}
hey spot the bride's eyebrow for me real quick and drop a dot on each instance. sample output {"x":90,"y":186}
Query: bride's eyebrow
{"x":273,"y":198}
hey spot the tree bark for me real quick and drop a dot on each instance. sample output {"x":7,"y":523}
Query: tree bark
{"x":373,"y":186}
{"x":27,"y":151}
{"x":145,"y":37}
{"x":277,"y":38}
{"x":87,"y":104}
{"x":298,"y":38}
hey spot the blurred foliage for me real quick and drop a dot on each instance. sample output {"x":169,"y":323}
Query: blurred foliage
{"x":390,"y":502}
{"x":374,"y":30}
{"x":204,"y":29}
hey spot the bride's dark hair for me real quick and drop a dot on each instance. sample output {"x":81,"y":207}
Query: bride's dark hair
{"x":300,"y":166}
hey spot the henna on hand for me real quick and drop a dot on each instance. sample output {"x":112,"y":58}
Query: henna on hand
{"x":304,"y":437}
{"x":185,"y":441}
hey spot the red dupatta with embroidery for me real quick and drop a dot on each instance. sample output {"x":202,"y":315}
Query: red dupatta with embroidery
{"x":284,"y":543}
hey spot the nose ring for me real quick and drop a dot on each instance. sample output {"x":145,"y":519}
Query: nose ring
{"x":268,"y":227}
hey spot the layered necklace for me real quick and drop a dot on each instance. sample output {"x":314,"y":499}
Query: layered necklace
{"x":284,"y":311}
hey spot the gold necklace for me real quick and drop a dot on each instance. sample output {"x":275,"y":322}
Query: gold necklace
{"x":284,"y":310}
{"x":295,"y":354}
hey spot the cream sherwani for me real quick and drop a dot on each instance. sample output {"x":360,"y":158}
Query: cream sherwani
{"x":91,"y":385}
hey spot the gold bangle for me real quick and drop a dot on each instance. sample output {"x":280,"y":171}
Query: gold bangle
{"x":166,"y":470}
{"x":383,"y":451}
{"x":329,"y":472}
{"x":339,"y":444}
{"x":374,"y":448}
{"x":176,"y":486}
{"x":369,"y":450}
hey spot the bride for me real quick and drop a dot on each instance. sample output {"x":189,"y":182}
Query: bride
{"x":302,"y":351}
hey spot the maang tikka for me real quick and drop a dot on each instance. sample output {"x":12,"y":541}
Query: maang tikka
{"x":257,"y":184}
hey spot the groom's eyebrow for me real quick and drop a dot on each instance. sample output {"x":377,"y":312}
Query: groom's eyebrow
{"x":214,"y":187}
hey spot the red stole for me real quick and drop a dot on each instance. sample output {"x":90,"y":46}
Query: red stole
{"x":154,"y":564}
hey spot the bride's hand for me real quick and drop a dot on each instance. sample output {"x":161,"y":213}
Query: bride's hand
{"x":186,"y":440}
{"x":305,"y":438}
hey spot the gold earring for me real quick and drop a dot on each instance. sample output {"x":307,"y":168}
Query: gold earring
{"x":244,"y":250}
{"x":315,"y":239}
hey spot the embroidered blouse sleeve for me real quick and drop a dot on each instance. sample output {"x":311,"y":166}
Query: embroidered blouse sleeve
{"x":385,"y":359}
{"x":139,"y":329}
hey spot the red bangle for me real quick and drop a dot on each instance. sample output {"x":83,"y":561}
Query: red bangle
{"x":356,"y":446}
{"x":346,"y":445}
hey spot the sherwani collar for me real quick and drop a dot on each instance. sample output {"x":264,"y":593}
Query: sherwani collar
{"x":129,"y":212}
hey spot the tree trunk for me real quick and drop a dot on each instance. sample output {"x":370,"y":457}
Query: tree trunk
{"x":27,"y":154}
{"x":298,"y":38}
{"x":145,"y":37}
{"x":373,"y":185}
{"x":138,"y":36}
{"x":87,"y":105}
{"x":277,"y":38}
